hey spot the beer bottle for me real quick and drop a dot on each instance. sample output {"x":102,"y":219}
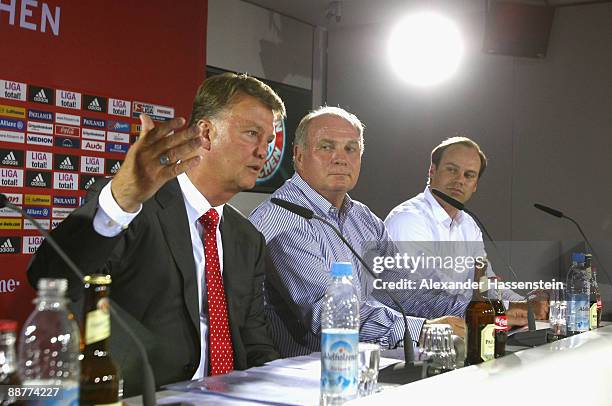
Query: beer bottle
{"x":595,"y":305}
{"x":480,"y":320}
{"x":101,"y":381}
{"x":501,"y":320}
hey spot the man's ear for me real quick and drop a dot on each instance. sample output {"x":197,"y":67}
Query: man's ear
{"x":207,"y":131}
{"x":432,"y":170}
{"x":297,"y":157}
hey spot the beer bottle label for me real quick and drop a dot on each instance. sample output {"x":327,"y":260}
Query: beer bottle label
{"x":483,"y":284}
{"x":487,"y":342}
{"x":97,"y":323}
{"x":501,"y":323}
{"x":593,"y":316}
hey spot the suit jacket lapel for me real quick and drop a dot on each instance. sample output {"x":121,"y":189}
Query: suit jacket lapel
{"x":232,"y":266}
{"x":173,"y":220}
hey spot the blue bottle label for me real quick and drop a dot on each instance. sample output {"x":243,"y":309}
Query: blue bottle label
{"x":339,"y":362}
{"x":67,"y":396}
{"x":578,"y":312}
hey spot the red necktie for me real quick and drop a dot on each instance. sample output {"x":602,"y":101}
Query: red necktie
{"x":221,"y":353}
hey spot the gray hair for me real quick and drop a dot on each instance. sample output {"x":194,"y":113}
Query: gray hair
{"x":301,"y":133}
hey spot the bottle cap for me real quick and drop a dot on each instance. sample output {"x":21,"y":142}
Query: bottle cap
{"x":59,"y":286}
{"x":577,"y":257}
{"x":7,"y":326}
{"x":341,"y":269}
{"x":97,"y":279}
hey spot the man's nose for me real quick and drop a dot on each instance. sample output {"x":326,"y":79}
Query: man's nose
{"x":340,"y":157}
{"x":262,"y":149}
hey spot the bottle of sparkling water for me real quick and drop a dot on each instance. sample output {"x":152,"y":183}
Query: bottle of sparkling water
{"x":578,"y":291}
{"x":49,"y":345}
{"x":339,"y":337}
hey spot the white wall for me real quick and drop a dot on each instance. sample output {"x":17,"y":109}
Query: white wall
{"x":246,"y":38}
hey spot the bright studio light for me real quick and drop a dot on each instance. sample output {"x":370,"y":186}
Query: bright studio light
{"x":425,"y":48}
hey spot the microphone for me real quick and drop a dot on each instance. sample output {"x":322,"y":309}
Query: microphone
{"x":524,"y":339}
{"x":408,"y":371}
{"x":148,"y":390}
{"x":448,"y":199}
{"x":548,"y":210}
{"x":560,"y":214}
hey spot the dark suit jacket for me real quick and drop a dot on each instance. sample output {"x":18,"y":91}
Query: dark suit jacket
{"x":154,"y":282}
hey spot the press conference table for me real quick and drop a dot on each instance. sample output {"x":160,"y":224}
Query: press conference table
{"x":574,"y":370}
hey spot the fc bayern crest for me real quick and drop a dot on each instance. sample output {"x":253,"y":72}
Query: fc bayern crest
{"x":275,"y":153}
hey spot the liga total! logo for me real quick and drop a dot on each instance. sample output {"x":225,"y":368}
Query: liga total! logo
{"x":274,"y":157}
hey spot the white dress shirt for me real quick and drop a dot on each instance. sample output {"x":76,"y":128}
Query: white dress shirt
{"x":110,"y":220}
{"x":423,"y":219}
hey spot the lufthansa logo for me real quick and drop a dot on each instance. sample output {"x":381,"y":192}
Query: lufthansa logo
{"x":274,"y":157}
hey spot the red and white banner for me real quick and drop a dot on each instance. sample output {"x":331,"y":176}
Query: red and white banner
{"x":74,"y":77}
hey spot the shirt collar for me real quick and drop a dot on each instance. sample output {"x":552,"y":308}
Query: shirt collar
{"x":317,"y":199}
{"x":195,"y":202}
{"x":438,"y":211}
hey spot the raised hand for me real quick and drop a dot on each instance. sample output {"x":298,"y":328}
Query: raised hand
{"x":159,"y":155}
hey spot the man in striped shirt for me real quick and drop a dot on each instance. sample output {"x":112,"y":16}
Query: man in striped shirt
{"x":327,"y":158}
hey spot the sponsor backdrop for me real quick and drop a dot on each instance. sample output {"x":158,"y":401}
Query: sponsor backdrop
{"x":74,"y":77}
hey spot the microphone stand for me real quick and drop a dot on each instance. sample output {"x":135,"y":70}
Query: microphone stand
{"x":148,"y":390}
{"x":401,"y":372}
{"x":532,"y":337}
{"x":557,"y":213}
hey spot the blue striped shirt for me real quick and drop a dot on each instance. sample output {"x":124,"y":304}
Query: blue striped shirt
{"x":302,"y":252}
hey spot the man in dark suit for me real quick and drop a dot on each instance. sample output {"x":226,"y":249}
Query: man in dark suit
{"x":187,"y":268}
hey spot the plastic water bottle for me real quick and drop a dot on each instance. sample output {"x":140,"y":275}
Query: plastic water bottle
{"x":577,"y":294}
{"x":340,"y":337}
{"x":49,"y":345}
